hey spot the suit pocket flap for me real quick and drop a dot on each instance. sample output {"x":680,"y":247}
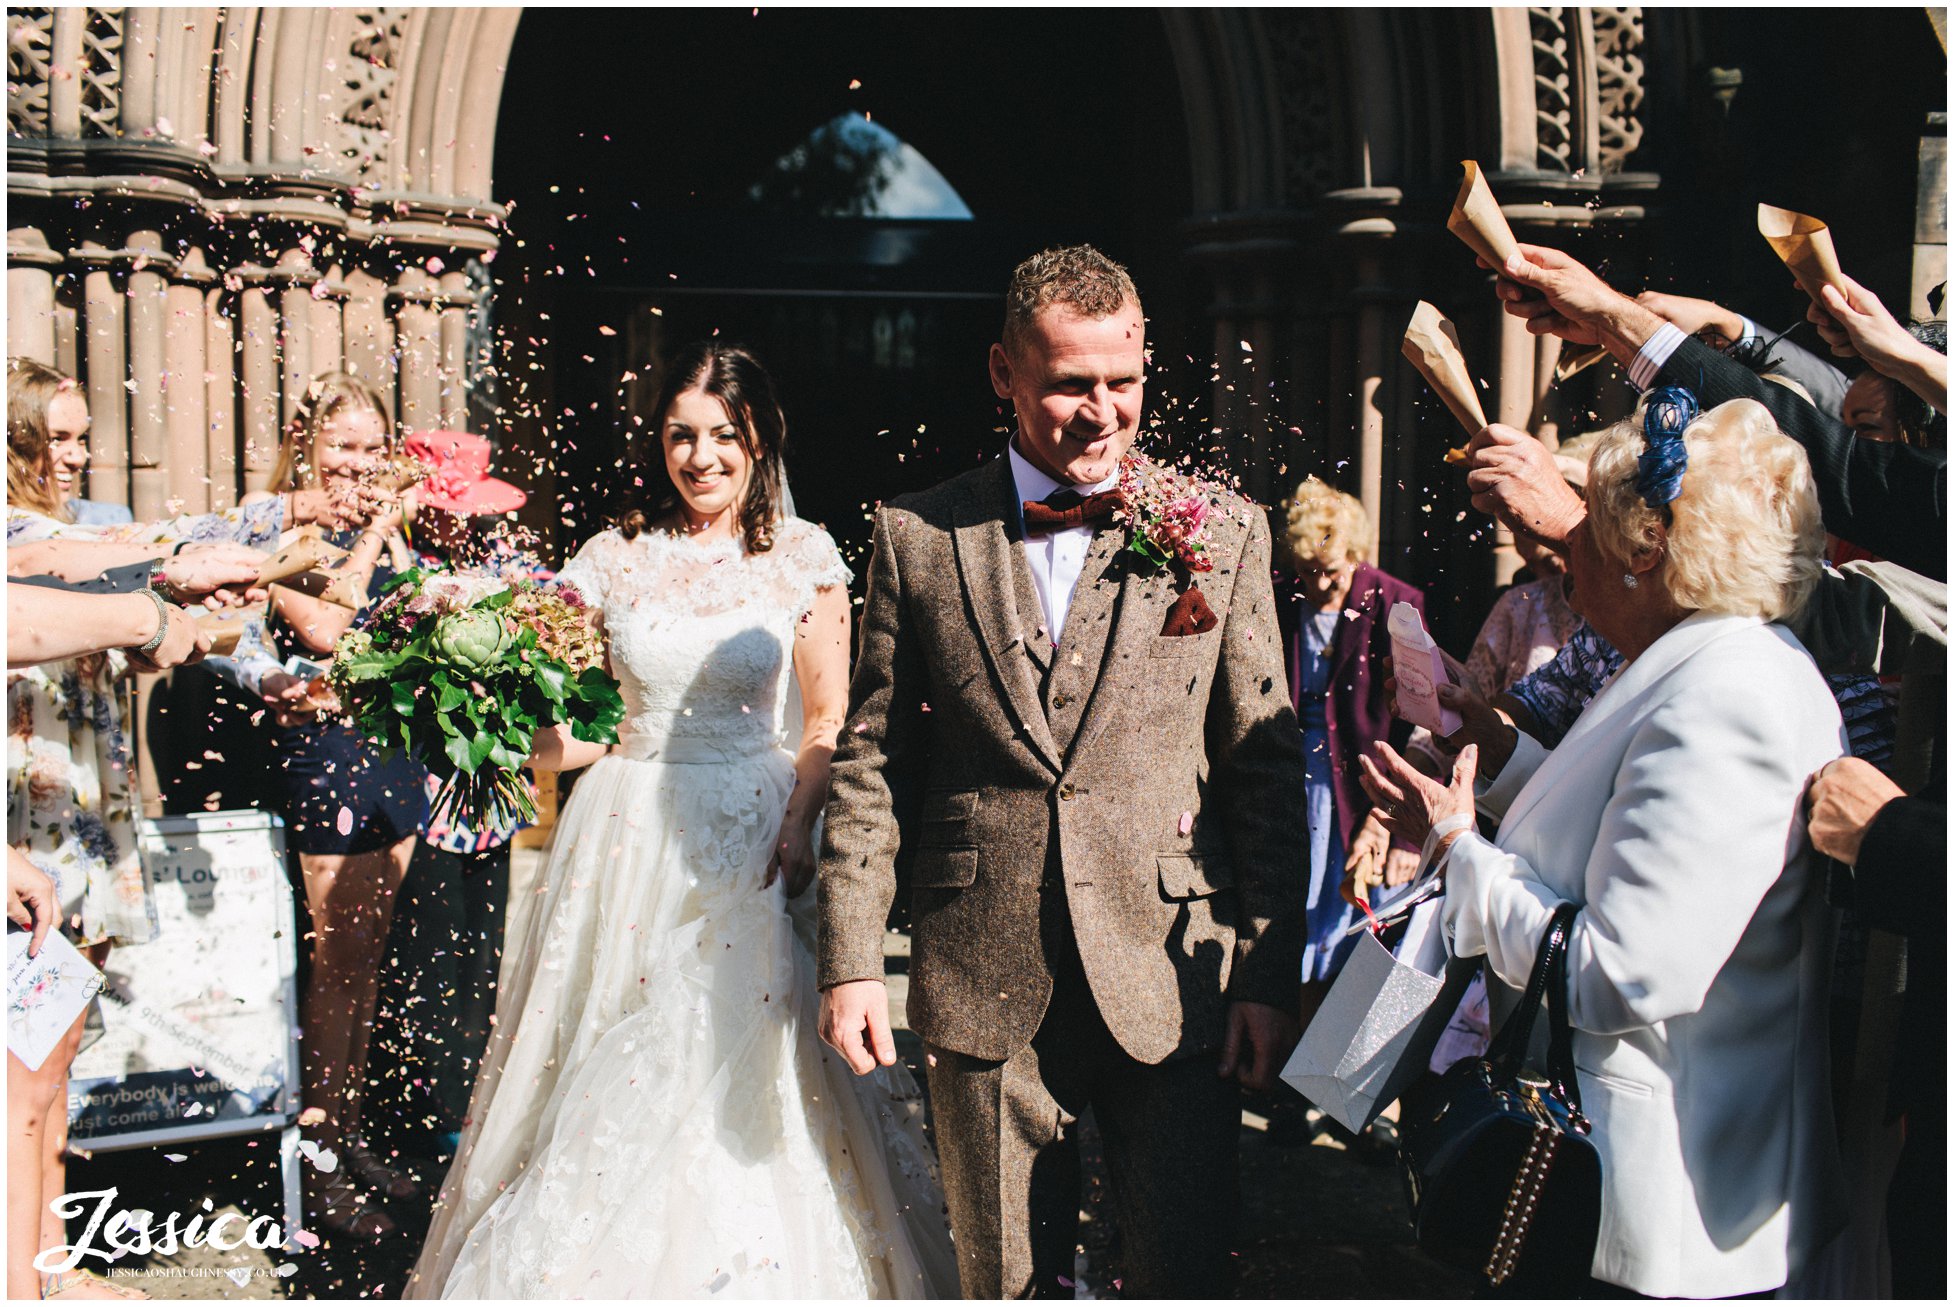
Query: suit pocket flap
{"x":949,"y":805}
{"x":1192,"y":875}
{"x":944,"y":868}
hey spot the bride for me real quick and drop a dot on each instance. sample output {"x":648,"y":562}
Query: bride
{"x":655,"y":1116}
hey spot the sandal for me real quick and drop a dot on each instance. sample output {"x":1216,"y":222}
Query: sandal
{"x":74,"y":1286}
{"x":339,"y":1207}
{"x":392,"y":1184}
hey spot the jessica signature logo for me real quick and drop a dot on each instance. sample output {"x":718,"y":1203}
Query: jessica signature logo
{"x":134,"y":1231}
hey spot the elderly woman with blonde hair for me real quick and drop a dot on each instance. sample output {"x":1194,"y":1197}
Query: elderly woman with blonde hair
{"x":1670,"y":816}
{"x":1332,"y":609}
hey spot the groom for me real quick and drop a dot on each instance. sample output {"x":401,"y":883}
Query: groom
{"x":1098,"y":778}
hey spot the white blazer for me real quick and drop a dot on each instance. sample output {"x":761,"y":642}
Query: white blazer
{"x":1698,"y":965}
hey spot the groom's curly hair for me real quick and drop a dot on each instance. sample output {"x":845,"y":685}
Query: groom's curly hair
{"x":733,"y":376}
{"x":1077,"y":276}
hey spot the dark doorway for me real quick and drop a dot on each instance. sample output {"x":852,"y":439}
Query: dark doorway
{"x":643,"y":149}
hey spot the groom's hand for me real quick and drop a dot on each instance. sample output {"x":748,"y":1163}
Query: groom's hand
{"x":1260,"y":1039}
{"x":849,"y":1008}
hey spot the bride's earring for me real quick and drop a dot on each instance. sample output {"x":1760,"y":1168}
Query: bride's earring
{"x":1629,"y":579}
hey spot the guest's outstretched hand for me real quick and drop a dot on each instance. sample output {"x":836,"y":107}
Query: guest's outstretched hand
{"x":1410,"y":803}
{"x":1855,"y":322}
{"x":1514,"y":478}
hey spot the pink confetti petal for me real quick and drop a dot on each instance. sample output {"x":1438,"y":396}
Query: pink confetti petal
{"x":305,"y":1238}
{"x":345,"y":822}
{"x":1187,"y":822}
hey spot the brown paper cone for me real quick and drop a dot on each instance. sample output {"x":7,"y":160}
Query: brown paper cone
{"x":303,"y":553}
{"x":1805,"y":245}
{"x":330,"y":587}
{"x":1431,"y":342}
{"x":224,"y":633}
{"x":1477,"y":221}
{"x":400,"y":472}
{"x":1575,"y":364}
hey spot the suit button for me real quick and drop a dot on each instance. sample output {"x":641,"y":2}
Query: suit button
{"x":1065,"y":791}
{"x":1060,"y":700}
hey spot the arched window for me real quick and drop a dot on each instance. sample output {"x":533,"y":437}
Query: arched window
{"x":851,"y":167}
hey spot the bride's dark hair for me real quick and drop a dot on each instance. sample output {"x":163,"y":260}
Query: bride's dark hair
{"x":730,"y":374}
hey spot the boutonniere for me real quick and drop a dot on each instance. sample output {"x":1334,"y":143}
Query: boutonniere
{"x":1169,"y":518}
{"x":1166,"y":514}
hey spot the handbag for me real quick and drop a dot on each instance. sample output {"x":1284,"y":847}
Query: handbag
{"x":1501,"y":1172}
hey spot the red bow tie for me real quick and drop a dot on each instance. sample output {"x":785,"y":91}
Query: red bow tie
{"x":1068,"y":508}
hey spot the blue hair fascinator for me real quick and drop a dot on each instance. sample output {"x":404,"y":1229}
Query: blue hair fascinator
{"x":1662,"y":464}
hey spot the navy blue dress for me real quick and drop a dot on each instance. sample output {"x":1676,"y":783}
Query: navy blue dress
{"x":340,"y":795}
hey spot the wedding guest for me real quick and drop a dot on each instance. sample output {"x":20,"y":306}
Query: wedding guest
{"x":67,"y":423}
{"x":437,"y":1001}
{"x":1696,"y":999}
{"x":38,"y":498}
{"x":352,"y":814}
{"x":1332,"y":609}
{"x":70,"y":791}
{"x":34,"y":1099}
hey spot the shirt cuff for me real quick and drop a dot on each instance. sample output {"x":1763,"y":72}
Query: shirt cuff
{"x":1750,"y":331}
{"x":1654,"y":353}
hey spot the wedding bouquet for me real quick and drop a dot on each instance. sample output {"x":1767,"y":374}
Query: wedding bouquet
{"x":461,"y":669}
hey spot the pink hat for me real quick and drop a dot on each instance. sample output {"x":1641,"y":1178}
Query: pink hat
{"x":460,"y":482}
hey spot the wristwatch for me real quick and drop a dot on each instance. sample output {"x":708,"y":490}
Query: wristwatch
{"x":155,"y":641}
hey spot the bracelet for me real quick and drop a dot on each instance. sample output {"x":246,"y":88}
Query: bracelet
{"x":155,"y":642}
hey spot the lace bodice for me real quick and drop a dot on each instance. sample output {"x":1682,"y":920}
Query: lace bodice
{"x":702,"y":633}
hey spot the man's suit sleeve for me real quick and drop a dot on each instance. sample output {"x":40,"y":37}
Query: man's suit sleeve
{"x":1825,"y":383}
{"x":1889,"y":498}
{"x":1255,"y":779}
{"x":115,"y":581}
{"x":874,"y":779}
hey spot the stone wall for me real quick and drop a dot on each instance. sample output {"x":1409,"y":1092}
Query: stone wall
{"x":208,"y":207}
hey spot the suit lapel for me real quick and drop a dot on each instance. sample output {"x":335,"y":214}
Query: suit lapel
{"x":1139,"y":601}
{"x":1619,"y":696}
{"x":987,"y":559}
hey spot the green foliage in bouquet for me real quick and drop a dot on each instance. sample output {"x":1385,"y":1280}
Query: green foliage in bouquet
{"x":460,"y":672}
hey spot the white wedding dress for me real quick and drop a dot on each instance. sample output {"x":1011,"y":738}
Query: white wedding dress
{"x":656,"y":1116}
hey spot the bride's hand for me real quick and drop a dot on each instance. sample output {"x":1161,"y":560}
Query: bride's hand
{"x":793,"y":858}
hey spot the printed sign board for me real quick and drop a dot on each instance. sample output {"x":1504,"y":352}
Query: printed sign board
{"x":198,"y":1024}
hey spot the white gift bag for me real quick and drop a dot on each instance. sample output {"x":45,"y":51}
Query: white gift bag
{"x":1376,"y":1028}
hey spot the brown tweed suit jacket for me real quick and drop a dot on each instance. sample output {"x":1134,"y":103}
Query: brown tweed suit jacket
{"x":1167,"y":770}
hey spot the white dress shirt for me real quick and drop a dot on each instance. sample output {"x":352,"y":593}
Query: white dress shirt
{"x":1055,"y":559}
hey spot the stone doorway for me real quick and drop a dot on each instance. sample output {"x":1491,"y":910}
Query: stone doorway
{"x":643,"y":154}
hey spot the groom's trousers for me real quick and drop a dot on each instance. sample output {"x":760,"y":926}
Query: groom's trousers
{"x":1006,"y":1136}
